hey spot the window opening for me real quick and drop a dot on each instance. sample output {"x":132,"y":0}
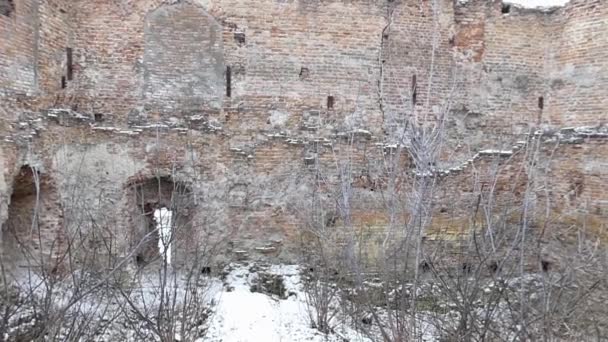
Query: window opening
{"x":70,"y":71}
{"x":163,"y":220}
{"x":330,"y":102}
{"x":414,"y":90}
{"x":228,"y":81}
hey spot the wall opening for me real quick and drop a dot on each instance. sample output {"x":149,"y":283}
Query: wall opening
{"x":98,"y":117}
{"x":69,"y":62}
{"x":506,"y":8}
{"x":161,"y":220}
{"x":228,"y":81}
{"x":64,"y":82}
{"x":545,"y":265}
{"x":493,"y":267}
{"x":541,"y":102}
{"x":19,"y":229}
{"x":7,"y":7}
{"x":239,"y":37}
{"x":424,"y":267}
{"x":330,"y":102}
{"x":304,"y":74}
{"x":414,"y":90}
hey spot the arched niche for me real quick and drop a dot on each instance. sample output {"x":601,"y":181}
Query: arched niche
{"x":32,"y":235}
{"x":183,"y":59}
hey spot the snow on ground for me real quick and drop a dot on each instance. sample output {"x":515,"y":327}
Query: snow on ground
{"x":245,"y":316}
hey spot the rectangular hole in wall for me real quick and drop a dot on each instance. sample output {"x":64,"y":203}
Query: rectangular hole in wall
{"x":239,"y":37}
{"x":98,"y":117}
{"x":64,"y":82}
{"x":414,"y":90}
{"x":228,"y":82}
{"x":505,"y":9}
{"x":7,"y":7}
{"x":69,"y":61}
{"x":541,"y":102}
{"x":330,"y":102}
{"x":304,"y":73}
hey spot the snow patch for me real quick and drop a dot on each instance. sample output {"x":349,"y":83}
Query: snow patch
{"x":245,"y":316}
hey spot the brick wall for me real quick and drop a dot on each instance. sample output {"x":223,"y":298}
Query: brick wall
{"x":183,"y":58}
{"x":501,"y":78}
{"x":33,"y":42}
{"x":282,"y":69}
{"x":55,"y":36}
{"x":578,"y":75}
{"x":289,"y":65}
{"x":412,"y":39}
{"x":149,"y":95}
{"x":18,"y":40}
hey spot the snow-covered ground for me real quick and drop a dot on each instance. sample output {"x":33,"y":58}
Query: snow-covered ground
{"x":245,"y":316}
{"x":249,"y":303}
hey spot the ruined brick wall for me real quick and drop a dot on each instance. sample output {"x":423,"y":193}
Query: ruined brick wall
{"x":183,"y":58}
{"x":280,"y":68}
{"x":577,"y":75}
{"x":239,"y":99}
{"x":416,"y":34}
{"x":512,"y":68}
{"x":33,"y":42}
{"x":18,"y":48}
{"x":506,"y":61}
{"x":502,"y":81}
{"x":55,"y":37}
{"x":577,"y":182}
{"x":522,"y":55}
{"x":296,"y":55}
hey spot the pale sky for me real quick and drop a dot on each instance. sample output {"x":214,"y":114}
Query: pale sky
{"x":538,"y":3}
